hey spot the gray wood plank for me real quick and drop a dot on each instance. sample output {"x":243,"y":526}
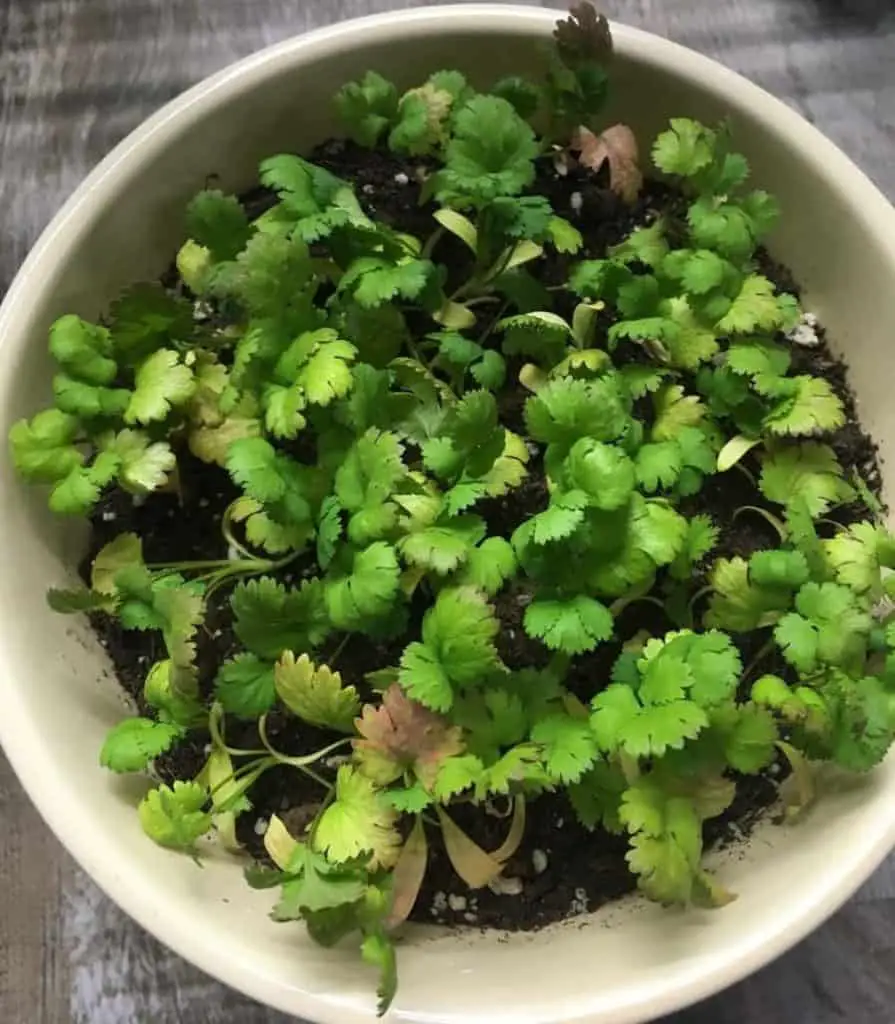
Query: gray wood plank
{"x":75,"y":76}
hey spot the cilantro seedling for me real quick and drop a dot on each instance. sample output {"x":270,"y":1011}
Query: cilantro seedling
{"x":458,"y":465}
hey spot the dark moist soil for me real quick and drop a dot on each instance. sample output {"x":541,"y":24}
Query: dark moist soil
{"x":561,"y":868}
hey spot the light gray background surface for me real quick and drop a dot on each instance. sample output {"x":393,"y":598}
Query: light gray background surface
{"x":77,"y":75}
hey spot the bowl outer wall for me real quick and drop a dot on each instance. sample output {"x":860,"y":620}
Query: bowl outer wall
{"x":628,"y":963}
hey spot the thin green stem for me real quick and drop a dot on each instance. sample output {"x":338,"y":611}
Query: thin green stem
{"x":431,"y":242}
{"x":760,"y":655}
{"x":497,"y":318}
{"x":331,"y":660}
{"x":296,"y":762}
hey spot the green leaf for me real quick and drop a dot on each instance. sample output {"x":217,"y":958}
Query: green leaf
{"x":666,"y":843}
{"x":270,"y":619}
{"x":811,"y":407}
{"x":316,"y":694}
{"x":658,"y":465}
{"x":370,"y":471}
{"x":457,"y":648}
{"x":43,"y":449}
{"x":378,"y":950}
{"x":807,"y":472}
{"x":489,"y":565}
{"x":367,"y":107}
{"x":245,"y":686}
{"x":145,"y":465}
{"x":572,"y":625}
{"x":685,"y":149}
{"x":368,"y":591}
{"x":491,"y":152}
{"x":444,"y":546}
{"x":621,"y":722}
{"x":603,"y":472}
{"x":219,"y":223}
{"x":83,"y":350}
{"x":559,"y":520}
{"x":674,"y":410}
{"x":162,"y":382}
{"x":132,"y":744}
{"x":827,"y":627}
{"x":755,"y":308}
{"x":856,"y":556}
{"x":568,"y":746}
{"x":749,"y":743}
{"x":779,"y":569}
{"x":174,"y":816}
{"x":373,"y":280}
{"x":358,"y":822}
{"x":737,"y":604}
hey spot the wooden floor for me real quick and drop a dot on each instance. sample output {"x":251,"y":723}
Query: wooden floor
{"x":75,"y":76}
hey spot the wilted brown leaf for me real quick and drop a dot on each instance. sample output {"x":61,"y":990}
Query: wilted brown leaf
{"x":408,"y":874}
{"x":617,"y":146}
{"x":583,"y":36}
{"x":401,"y":734}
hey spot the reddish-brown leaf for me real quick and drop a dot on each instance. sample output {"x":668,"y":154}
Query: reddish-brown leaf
{"x":617,"y":146}
{"x":401,"y":734}
{"x":583,"y":37}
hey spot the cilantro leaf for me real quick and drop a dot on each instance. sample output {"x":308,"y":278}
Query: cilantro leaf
{"x":827,"y":627}
{"x":445,"y":545}
{"x":807,"y":472}
{"x":366,"y":593}
{"x":132,"y":744}
{"x":315,"y":694}
{"x":270,"y":618}
{"x":666,"y":843}
{"x":399,"y":735}
{"x":244,"y":686}
{"x":174,"y":816}
{"x":357,"y":823}
{"x":572,"y":625}
{"x":162,"y":382}
{"x":568,"y":746}
{"x":367,"y":107}
{"x":491,"y":152}
{"x":219,"y":223}
{"x":457,"y":648}
{"x":43,"y":448}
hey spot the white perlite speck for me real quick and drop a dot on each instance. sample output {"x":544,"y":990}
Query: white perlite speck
{"x":401,"y":178}
{"x":579,"y":903}
{"x":457,"y":903}
{"x":260,"y":826}
{"x":108,"y":517}
{"x":439,"y":902}
{"x":805,"y":331}
{"x":368,"y":190}
{"x":539,"y":861}
{"x":503,"y":886}
{"x":576,"y":201}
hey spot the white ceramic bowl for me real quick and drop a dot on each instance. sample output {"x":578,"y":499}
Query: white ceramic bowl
{"x":628,"y":963}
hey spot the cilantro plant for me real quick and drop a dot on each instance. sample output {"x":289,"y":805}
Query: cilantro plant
{"x":430,"y":444}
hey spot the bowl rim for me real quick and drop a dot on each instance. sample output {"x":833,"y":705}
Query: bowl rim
{"x":20,"y":735}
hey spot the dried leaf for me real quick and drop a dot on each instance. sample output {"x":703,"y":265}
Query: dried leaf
{"x":476,"y":867}
{"x":399,"y":734}
{"x":797,"y":790}
{"x":279,"y":843}
{"x":583,"y":37}
{"x":618,"y":146}
{"x":517,"y":830}
{"x":408,"y":874}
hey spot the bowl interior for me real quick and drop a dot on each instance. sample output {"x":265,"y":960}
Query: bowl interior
{"x":626,"y":963}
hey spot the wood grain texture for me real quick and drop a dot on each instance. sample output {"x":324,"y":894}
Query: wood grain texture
{"x":76,"y":76}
